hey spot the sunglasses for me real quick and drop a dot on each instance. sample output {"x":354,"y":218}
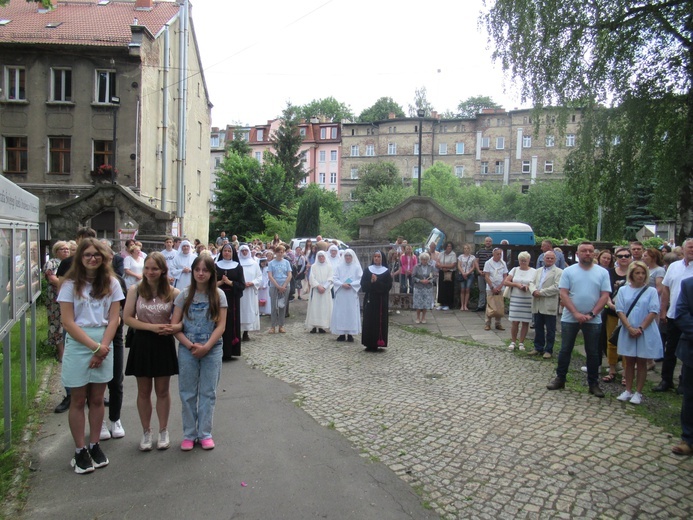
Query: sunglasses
{"x":622,"y":256}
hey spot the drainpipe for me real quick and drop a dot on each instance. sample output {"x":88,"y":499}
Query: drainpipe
{"x":183,"y":97}
{"x":164,"y":123}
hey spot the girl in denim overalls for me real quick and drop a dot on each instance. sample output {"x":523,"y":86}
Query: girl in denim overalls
{"x":202,"y":309}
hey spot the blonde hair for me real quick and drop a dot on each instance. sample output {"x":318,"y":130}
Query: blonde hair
{"x":524,"y":256}
{"x":633,"y":266}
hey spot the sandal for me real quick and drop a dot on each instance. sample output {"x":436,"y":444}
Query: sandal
{"x":511,"y":347}
{"x":610,"y":378}
{"x":521,"y":346}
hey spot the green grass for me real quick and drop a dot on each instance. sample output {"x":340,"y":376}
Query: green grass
{"x":13,"y":471}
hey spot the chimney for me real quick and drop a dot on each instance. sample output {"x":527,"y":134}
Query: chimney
{"x":434,"y":114}
{"x":391,"y":115}
{"x":143,"y":4}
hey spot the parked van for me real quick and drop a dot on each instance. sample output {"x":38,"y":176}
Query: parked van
{"x":301,"y":242}
{"x":516,"y":233}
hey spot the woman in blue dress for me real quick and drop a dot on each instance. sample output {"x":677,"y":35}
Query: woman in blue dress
{"x":639,"y":339}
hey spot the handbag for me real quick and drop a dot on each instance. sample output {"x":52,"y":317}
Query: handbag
{"x":495,"y":306}
{"x":507,"y":291}
{"x":447,"y":276}
{"x":613,"y":339}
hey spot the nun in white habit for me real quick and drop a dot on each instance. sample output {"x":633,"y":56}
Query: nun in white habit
{"x":181,"y":266}
{"x":346,"y":310}
{"x":333,"y":257}
{"x":319,"y":311}
{"x":250,"y":310}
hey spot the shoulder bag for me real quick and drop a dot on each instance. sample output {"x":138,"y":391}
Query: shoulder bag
{"x":613,"y":339}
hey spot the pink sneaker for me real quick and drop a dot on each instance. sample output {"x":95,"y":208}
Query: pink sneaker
{"x":187,"y":445}
{"x":207,"y":444}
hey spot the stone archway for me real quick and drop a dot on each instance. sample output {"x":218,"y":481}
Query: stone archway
{"x":63,"y":219}
{"x":376,"y":227}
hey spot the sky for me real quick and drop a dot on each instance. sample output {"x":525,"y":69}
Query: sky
{"x":257,"y":56}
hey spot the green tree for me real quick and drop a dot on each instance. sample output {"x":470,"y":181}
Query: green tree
{"x":551,"y":208}
{"x":420,"y":101}
{"x":637,"y":56}
{"x":286,"y":141}
{"x":375,"y":175}
{"x":328,"y":107}
{"x":473,"y":105}
{"x":381,"y":110}
{"x":238,"y":145}
{"x":375,"y":201}
{"x":308,"y":217}
{"x":439,"y":183}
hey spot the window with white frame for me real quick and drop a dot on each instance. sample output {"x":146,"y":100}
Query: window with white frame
{"x":526,"y":141}
{"x":570,"y":140}
{"x":321,"y":156}
{"x":354,"y":150}
{"x":391,"y":148}
{"x":260,"y":134}
{"x":59,"y":155}
{"x":15,"y":83}
{"x":333,"y":177}
{"x":245,"y":136}
{"x":304,"y":181}
{"x":526,"y":167}
{"x":354,"y":173}
{"x":459,"y":171}
{"x":550,"y":141}
{"x":442,"y":148}
{"x":415,"y":172}
{"x":616,"y":140}
{"x":258,"y":157}
{"x":323,"y":133}
{"x":61,"y":85}
{"x":548,"y":167}
{"x":370,"y":150}
{"x":484,"y":167}
{"x":485,"y":142}
{"x":500,"y":167}
{"x":302,"y":131}
{"x":333,"y":155}
{"x":416,"y":148}
{"x":105,"y":86}
{"x":500,"y":143}
{"x":16,"y":154}
{"x":322,"y":178}
{"x":333,"y":132}
{"x":214,"y":141}
{"x":459,"y":148}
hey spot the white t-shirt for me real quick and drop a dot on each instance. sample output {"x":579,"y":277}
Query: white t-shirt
{"x":90,"y":312}
{"x":169,"y":256}
{"x":496,"y":271}
{"x":677,"y":272}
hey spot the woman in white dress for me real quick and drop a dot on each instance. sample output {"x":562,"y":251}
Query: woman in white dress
{"x":520,"y":312}
{"x":346,"y":310}
{"x":181,"y":266}
{"x":250,"y":310}
{"x":133,"y":266}
{"x":263,"y":293}
{"x":320,"y":301}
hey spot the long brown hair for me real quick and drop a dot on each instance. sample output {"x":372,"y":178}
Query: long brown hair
{"x":210,"y":289}
{"x":101,"y":286}
{"x":163,"y":288}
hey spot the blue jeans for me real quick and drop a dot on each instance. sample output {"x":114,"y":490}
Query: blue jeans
{"x":482,"y":291}
{"x":197,"y":385}
{"x":590,"y":331}
{"x":687,"y":404}
{"x":544,"y":338}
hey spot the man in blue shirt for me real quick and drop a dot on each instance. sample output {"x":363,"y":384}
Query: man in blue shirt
{"x":546,"y":246}
{"x":584,"y":289}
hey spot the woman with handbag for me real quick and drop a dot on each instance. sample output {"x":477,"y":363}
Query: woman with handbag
{"x":637,"y":306}
{"x":467,"y":264}
{"x":447,"y":265}
{"x":520,"y":311}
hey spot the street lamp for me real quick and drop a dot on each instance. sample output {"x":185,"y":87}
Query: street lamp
{"x":115,"y":101}
{"x":421,"y":113}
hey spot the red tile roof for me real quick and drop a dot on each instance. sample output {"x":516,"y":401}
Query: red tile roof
{"x":84,"y":22}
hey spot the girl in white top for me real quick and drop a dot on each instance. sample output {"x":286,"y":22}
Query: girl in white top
{"x":133,"y":266}
{"x":90,"y":311}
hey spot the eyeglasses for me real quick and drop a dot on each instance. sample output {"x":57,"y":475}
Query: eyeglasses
{"x":64,"y":249}
{"x":95,"y":256}
{"x":622,"y":256}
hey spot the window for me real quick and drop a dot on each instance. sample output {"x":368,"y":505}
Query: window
{"x":370,"y":150}
{"x":526,"y":168}
{"x":526,"y":141}
{"x":333,"y":155}
{"x":354,"y":150}
{"x":500,"y":122}
{"x":485,"y":142}
{"x":391,"y":129}
{"x":354,"y":173}
{"x":59,"y":155}
{"x":616,"y":140}
{"x":333,"y":177}
{"x":61,"y":85}
{"x":333,"y":131}
{"x":500,"y":143}
{"x":302,"y":131}
{"x":15,"y":83}
{"x":258,"y":157}
{"x":323,"y":133}
{"x":392,"y":149}
{"x":550,"y":141}
{"x":459,"y":148}
{"x":16,"y":155}
{"x":304,"y":181}
{"x":442,"y":148}
{"x":260,"y":134}
{"x":321,"y":156}
{"x":416,"y":148}
{"x":443,"y":129}
{"x":322,"y":178}
{"x":548,"y":167}
{"x":415,"y":172}
{"x":105,"y":86}
{"x":484,"y":167}
{"x":214,"y":141}
{"x":459,"y":171}
{"x":500,"y":167}
{"x":570,"y":140}
{"x":217,"y":162}
{"x":103,"y":153}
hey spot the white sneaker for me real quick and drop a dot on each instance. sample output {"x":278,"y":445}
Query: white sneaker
{"x":146,"y":442}
{"x":105,"y":433}
{"x":636,"y":399}
{"x":163,"y":443}
{"x":584,"y":369}
{"x":117,"y":430}
{"x":625,"y":396}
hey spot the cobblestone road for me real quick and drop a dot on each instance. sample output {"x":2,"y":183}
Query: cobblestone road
{"x":474,"y":430}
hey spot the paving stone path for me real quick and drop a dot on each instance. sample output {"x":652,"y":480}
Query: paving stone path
{"x":473,"y":429}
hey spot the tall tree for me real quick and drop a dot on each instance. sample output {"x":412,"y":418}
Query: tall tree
{"x":420,"y":101}
{"x":636,"y":55}
{"x":381,"y":110}
{"x":238,"y":145}
{"x":376,"y":175}
{"x":287,"y":141}
{"x":472,"y":106}
{"x":328,"y":107}
{"x":308,"y":217}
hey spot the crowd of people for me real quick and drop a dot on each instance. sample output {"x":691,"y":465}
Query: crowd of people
{"x":211,"y":299}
